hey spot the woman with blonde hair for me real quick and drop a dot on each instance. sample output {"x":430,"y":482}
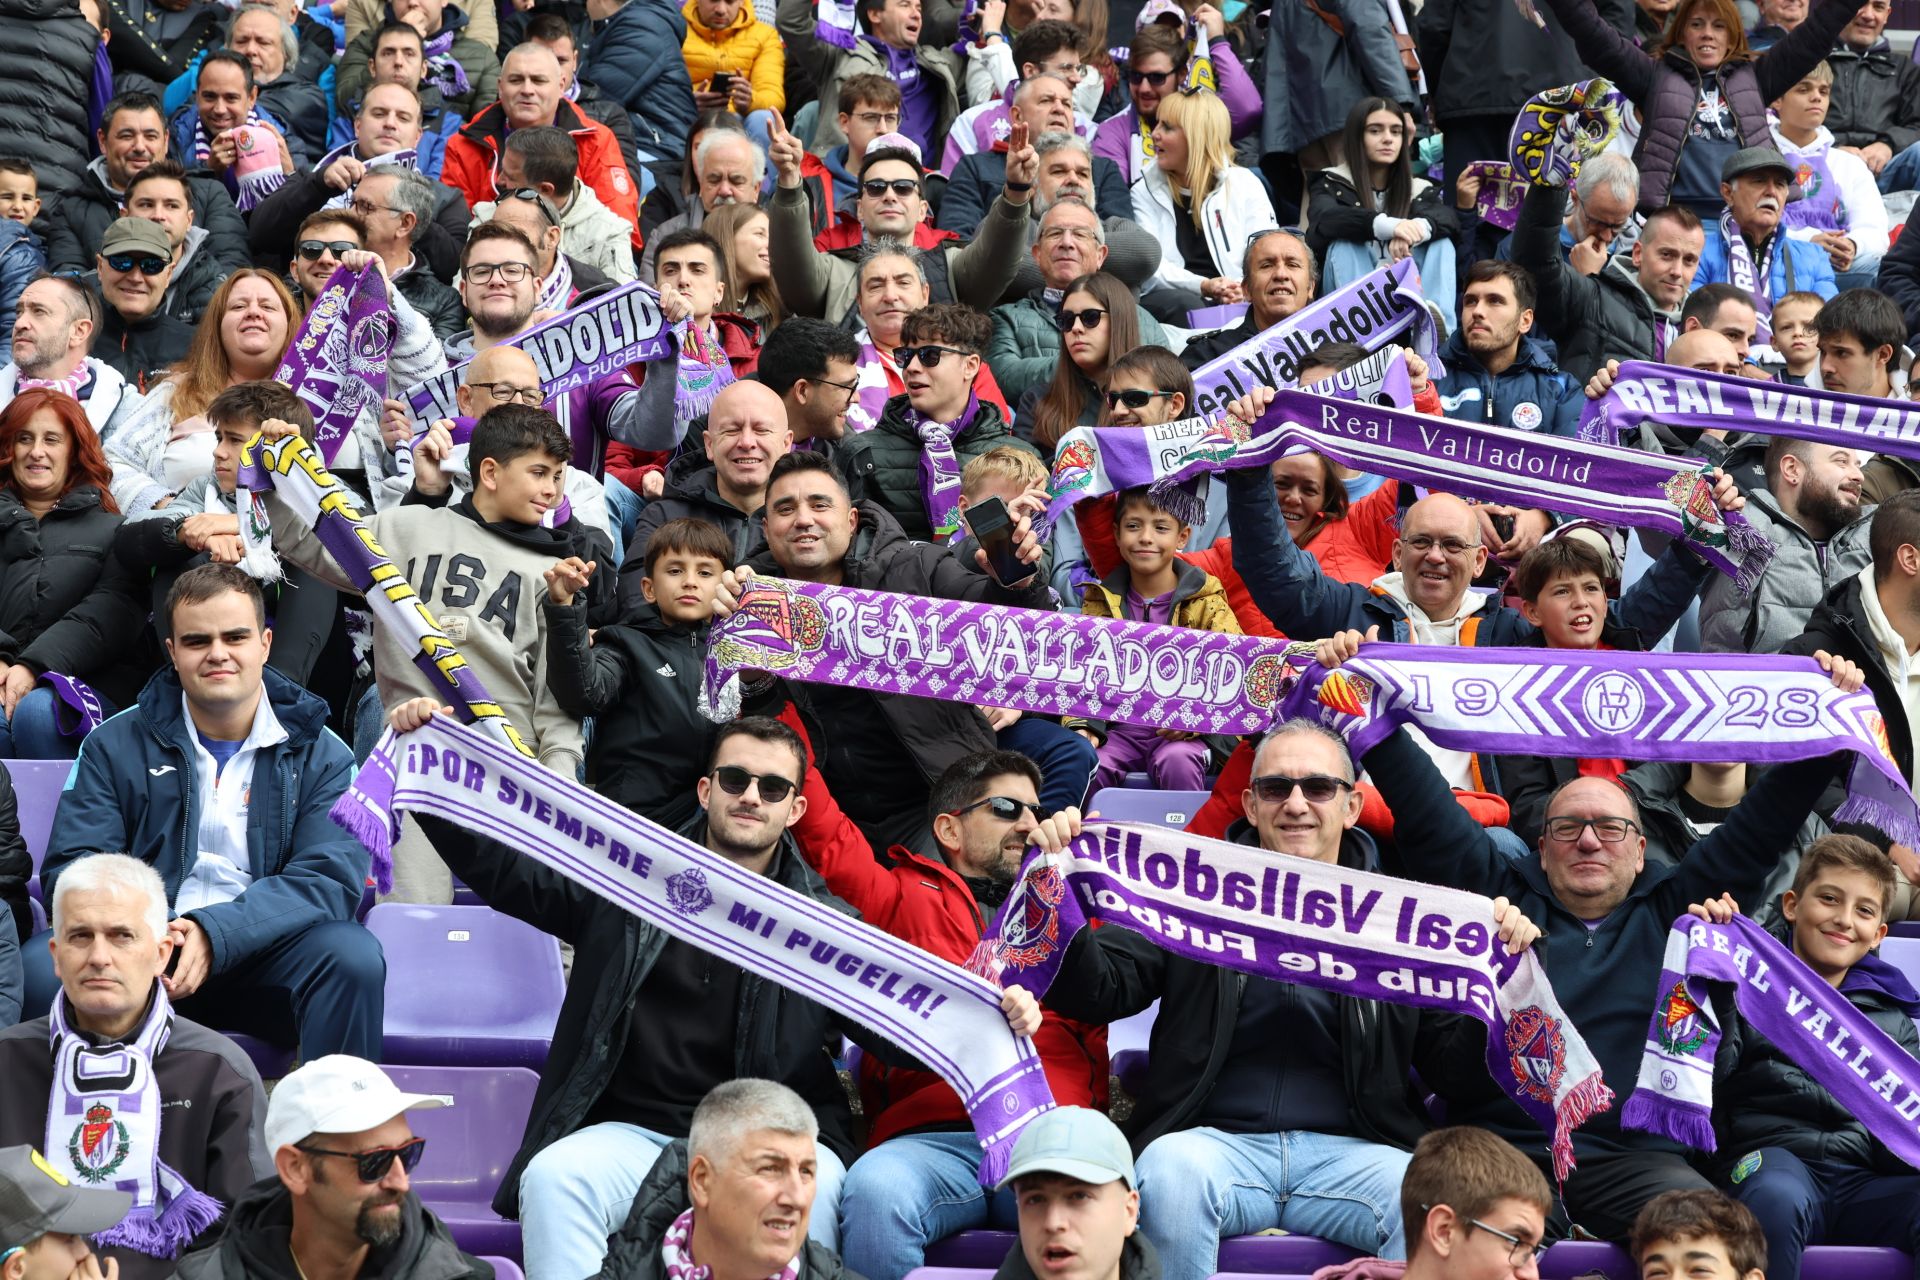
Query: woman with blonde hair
{"x":1199,"y":205}
{"x":741,"y":232}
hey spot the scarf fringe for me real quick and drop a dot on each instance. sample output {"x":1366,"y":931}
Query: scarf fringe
{"x":1180,"y":499}
{"x":995,"y":1158}
{"x":1683,"y":1122}
{"x":1583,"y":1102}
{"x":1863,"y":806}
{"x":163,"y":1236}
{"x":1751,"y":552}
{"x":365,"y":812}
{"x":256,"y":187}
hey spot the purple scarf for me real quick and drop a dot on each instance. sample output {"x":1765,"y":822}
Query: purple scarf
{"x":940,"y":467}
{"x":444,"y":71}
{"x":78,"y":698}
{"x":1558,"y":128}
{"x":1755,"y":278}
{"x":1495,"y":464}
{"x":1677,"y":707}
{"x":1814,"y":1024}
{"x":1682,"y":398}
{"x":1819,"y":204}
{"x":1298,"y":920}
{"x":337,"y":362}
{"x":1500,"y":194}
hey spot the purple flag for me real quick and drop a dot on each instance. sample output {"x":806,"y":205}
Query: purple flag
{"x":337,"y":363}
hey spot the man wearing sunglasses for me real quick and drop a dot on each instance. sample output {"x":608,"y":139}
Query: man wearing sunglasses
{"x":542,"y":162}
{"x":340,"y":1202}
{"x":1266,"y":1104}
{"x":137,"y":338}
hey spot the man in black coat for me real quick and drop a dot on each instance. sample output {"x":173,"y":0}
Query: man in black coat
{"x":46,"y":73}
{"x":137,"y":339}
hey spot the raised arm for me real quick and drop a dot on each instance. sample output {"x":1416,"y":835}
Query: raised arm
{"x":1608,"y":52}
{"x":1283,"y":580}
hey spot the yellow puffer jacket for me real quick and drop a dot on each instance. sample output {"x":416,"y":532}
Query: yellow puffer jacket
{"x":749,"y":47}
{"x":1199,"y":600}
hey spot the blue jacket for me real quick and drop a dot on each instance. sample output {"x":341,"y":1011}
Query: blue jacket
{"x":431,"y":149}
{"x":180,"y":139}
{"x":21,"y":259}
{"x":634,"y":58}
{"x":1532,"y":394}
{"x":1804,"y":266}
{"x":133,"y":789}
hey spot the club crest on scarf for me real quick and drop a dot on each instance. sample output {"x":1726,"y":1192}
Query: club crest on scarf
{"x":1681,"y":1029}
{"x":1218,"y":443}
{"x":1073,"y":467}
{"x":688,"y":892}
{"x":1559,"y":128}
{"x":1349,"y":695}
{"x":1537,"y":1051}
{"x":1030,"y":929}
{"x":99,"y":1144}
{"x":777,"y":627}
{"x":1876,"y":725}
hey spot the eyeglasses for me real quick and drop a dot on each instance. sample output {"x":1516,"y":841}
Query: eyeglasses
{"x":373,"y":1165}
{"x":1453,"y":547}
{"x":1157,"y":79}
{"x":1005,"y":808}
{"x":928,"y":356}
{"x":1318,"y":788}
{"x":1607,"y":830}
{"x":734,"y":781}
{"x":145,"y":264}
{"x":1134,"y":398}
{"x":902,"y":187}
{"x":1072,"y":75}
{"x":1082,"y":234}
{"x":848,"y":387}
{"x":879,"y":119}
{"x":482,"y":272}
{"x":507,"y":393}
{"x":367,"y":208}
{"x":1088,"y":318}
{"x":532,"y":196}
{"x":1522,"y":1252}
{"x":312,"y":249}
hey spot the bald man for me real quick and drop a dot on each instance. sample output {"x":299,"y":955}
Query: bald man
{"x":726,"y":484}
{"x":1425,"y":599}
{"x":533,"y":91}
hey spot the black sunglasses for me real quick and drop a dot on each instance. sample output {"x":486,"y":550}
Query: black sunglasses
{"x":877,"y":187}
{"x":373,"y":1165}
{"x":1318,"y":788}
{"x":928,"y":356}
{"x":1157,"y":79}
{"x":145,"y":264}
{"x":1087,"y":318}
{"x":1134,"y":398}
{"x":1005,"y":808}
{"x":312,"y":249}
{"x":734,"y":781}
{"x":532,"y":196}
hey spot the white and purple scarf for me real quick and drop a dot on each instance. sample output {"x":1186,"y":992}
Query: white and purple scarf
{"x":556,"y":291}
{"x":1815,"y":1025}
{"x":835,"y":23}
{"x":444,"y":71}
{"x":1755,"y":278}
{"x":406,"y":158}
{"x":940,"y":467}
{"x":676,"y":1258}
{"x":337,"y":362}
{"x":104,"y":1117}
{"x":256,"y":172}
{"x":80,"y":711}
{"x":702,"y":372}
{"x":873,"y":387}
{"x":1556,"y":129}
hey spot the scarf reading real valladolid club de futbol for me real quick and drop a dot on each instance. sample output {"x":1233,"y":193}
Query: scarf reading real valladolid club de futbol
{"x":1339,"y":929}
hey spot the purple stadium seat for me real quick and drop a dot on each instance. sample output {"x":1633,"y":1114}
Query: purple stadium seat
{"x":950,"y":1273}
{"x":507,"y":975}
{"x":1904,"y":928}
{"x":469,"y":1146}
{"x":1162,"y":808}
{"x":270,"y":1060}
{"x":1904,"y":955}
{"x":503,"y":1268}
{"x":1281,"y":1255}
{"x":1571,"y":1258}
{"x":1835,"y":1262}
{"x":1248,"y":1275}
{"x":1127,"y":1045}
{"x":36,"y":787}
{"x":969,"y":1250}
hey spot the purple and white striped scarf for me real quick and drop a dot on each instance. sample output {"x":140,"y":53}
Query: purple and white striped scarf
{"x":556,"y":291}
{"x":337,"y":362}
{"x":1678,"y":707}
{"x":406,"y":158}
{"x":873,"y":386}
{"x":943,"y":1015}
{"x":677,"y":1261}
{"x":444,"y":71}
{"x":940,"y":467}
{"x":104,"y":1118}
{"x":1298,"y":920}
{"x":1816,"y":1026}
{"x":1756,"y":278}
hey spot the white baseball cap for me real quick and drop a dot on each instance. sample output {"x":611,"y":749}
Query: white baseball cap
{"x":337,"y":1094}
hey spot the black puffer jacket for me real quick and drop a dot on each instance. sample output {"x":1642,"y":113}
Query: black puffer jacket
{"x":779,"y":1035}
{"x":1482,"y":58}
{"x":272,"y":226}
{"x":16,"y":865}
{"x":67,"y":603}
{"x":1593,"y":319}
{"x":1762,"y":1098}
{"x":1876,"y":97}
{"x":303,"y":106}
{"x":253,"y":1245}
{"x":884,"y":464}
{"x":46,"y":74}
{"x":76,"y":224}
{"x":141,"y":352}
{"x":633,"y":1252}
{"x":439,"y":304}
{"x":1340,"y":213}
{"x":1114,"y":973}
{"x":691,"y":491}
{"x":1839,"y":626}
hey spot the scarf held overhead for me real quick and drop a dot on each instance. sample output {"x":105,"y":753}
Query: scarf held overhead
{"x":1297,"y":920}
{"x":943,"y":1015}
{"x":1495,"y":464}
{"x":1677,"y":707}
{"x":571,"y":350}
{"x":1644,"y":393}
{"x":1022,"y":659}
{"x":337,"y":362}
{"x":1811,"y":1022}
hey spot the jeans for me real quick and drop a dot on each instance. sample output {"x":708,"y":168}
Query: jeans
{"x":1066,"y":761}
{"x":577,"y":1192}
{"x":369,"y":722}
{"x":1349,"y":260}
{"x":1799,"y":1204}
{"x":33,"y":732}
{"x":1201,"y":1184}
{"x":910,"y":1191}
{"x":623,"y":513}
{"x":1902,"y":172}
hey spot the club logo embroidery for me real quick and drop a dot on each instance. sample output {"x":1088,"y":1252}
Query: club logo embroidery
{"x":1690,"y":492}
{"x":688,"y":893}
{"x":772,"y":629}
{"x":1263,"y":679}
{"x":1220,"y":442}
{"x":1681,"y":1029}
{"x":1877,"y":727}
{"x":99,"y":1144}
{"x":1347,"y":694}
{"x":1030,"y":930}
{"x":1073,"y":467}
{"x":1537,"y":1052}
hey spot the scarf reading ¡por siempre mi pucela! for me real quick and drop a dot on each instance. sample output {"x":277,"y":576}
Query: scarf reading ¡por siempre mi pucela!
{"x":337,"y":362}
{"x":1495,"y":464}
{"x":1811,"y":1022}
{"x":104,"y":1118}
{"x":1679,"y":707}
{"x":293,"y":470}
{"x":1298,"y":920}
{"x":944,"y":1016}
{"x":1684,"y":399}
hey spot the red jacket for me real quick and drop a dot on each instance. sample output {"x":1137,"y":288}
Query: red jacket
{"x":847,"y":233}
{"x":924,"y":902}
{"x":472,"y":160}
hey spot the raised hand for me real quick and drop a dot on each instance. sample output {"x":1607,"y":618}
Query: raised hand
{"x":786,"y":153}
{"x":568,"y":578}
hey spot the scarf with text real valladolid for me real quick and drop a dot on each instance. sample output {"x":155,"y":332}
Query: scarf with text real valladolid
{"x":1811,"y":1022}
{"x":1598,"y":482}
{"x":104,"y":1116}
{"x":1677,"y":707}
{"x":1298,"y":920}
